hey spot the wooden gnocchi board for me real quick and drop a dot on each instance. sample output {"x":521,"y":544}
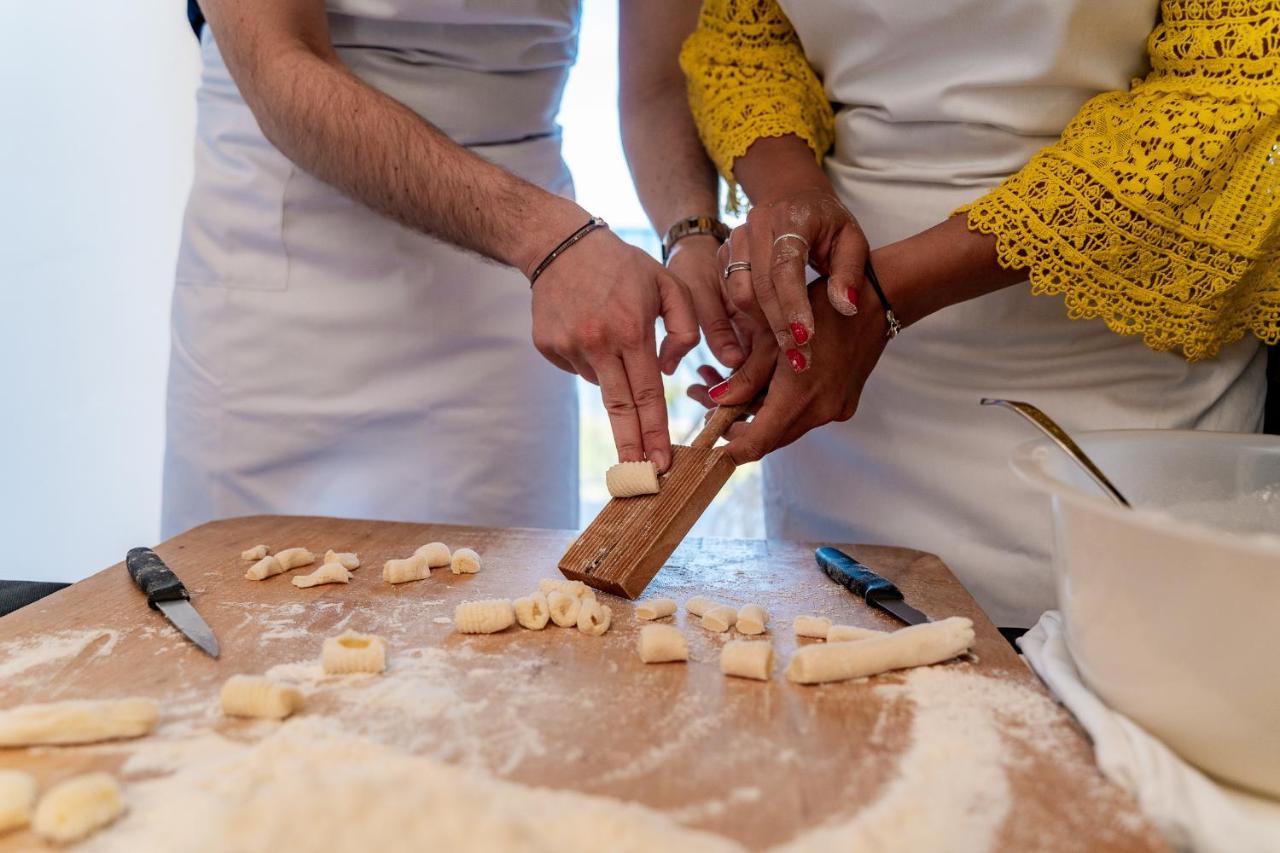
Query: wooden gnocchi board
{"x":757,"y":762}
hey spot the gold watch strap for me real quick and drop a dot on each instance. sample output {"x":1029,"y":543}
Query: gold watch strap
{"x":691,"y":226}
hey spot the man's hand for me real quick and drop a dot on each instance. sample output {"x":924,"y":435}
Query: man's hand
{"x":594,"y":311}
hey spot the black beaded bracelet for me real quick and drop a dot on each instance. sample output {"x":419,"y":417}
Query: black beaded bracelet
{"x":894,"y":325}
{"x":592,"y":224}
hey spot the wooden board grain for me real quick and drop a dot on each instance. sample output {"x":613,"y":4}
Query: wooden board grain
{"x":554,"y":707}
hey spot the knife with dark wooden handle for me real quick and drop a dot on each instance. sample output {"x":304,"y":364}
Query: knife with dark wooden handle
{"x":867,"y":585}
{"x":166,"y":592}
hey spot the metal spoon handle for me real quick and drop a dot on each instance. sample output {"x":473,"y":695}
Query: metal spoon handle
{"x":1050,"y":428}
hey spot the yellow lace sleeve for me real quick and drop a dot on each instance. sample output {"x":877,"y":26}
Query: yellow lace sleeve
{"x":1159,"y":209}
{"x":749,"y":79}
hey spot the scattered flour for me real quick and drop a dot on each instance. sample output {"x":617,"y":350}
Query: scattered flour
{"x":33,"y":653}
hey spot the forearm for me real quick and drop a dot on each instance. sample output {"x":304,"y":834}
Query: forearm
{"x":381,"y":153}
{"x":673,"y":175}
{"x":776,"y":167}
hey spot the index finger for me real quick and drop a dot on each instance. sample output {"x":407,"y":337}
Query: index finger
{"x":650,"y":403}
{"x":624,"y":420}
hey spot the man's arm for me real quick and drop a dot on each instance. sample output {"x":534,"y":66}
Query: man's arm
{"x":673,"y":175}
{"x":593,"y":309}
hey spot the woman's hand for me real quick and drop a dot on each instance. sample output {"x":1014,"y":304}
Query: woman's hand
{"x":694,"y":262}
{"x":594,"y":312}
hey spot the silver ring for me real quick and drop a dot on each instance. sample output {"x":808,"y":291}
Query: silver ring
{"x":793,"y":236}
{"x":734,"y":266}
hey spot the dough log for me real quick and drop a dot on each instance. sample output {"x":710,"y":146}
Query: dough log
{"x":919,"y":645}
{"x":349,"y":561}
{"x":78,"y":807}
{"x":662,"y":643}
{"x":629,"y":479}
{"x":413,"y":568}
{"x":483,"y":617}
{"x":655,"y":608}
{"x":435,"y":553}
{"x":77,"y":721}
{"x":256,"y":696}
{"x":254,"y":554}
{"x":747,"y":659}
{"x":17,"y":797}
{"x":719,"y":618}
{"x":327,"y":573}
{"x":812,"y":626}
{"x":847,"y":633}
{"x":751,"y":619}
{"x":351,"y":652}
{"x":264,"y":568}
{"x":295,"y":558}
{"x":699,"y":604}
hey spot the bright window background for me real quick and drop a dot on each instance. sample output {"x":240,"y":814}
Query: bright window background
{"x":593,"y":149}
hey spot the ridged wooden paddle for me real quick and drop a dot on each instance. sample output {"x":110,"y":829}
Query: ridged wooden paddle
{"x":631,"y":538}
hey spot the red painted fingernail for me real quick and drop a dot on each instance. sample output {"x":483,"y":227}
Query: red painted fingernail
{"x":717,"y":391}
{"x":797,"y":359}
{"x":851,"y":293}
{"x":800,"y":333}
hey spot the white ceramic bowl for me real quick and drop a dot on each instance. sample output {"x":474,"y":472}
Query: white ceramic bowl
{"x":1175,"y":621}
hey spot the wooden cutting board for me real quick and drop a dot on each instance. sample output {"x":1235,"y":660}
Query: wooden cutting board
{"x":758,"y":762}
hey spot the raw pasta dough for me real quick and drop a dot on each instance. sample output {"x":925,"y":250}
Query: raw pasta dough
{"x":628,"y":479}
{"x":846,"y":633}
{"x":662,"y":643}
{"x":257,"y":552}
{"x":655,"y":608}
{"x":327,"y":573}
{"x":256,"y":696}
{"x":349,"y":561}
{"x":264,"y":568}
{"x":17,"y":796}
{"x":719,"y":618}
{"x":532,"y":611}
{"x":747,"y":659}
{"x":812,"y":626}
{"x":751,"y":619}
{"x":78,"y":807}
{"x":919,"y":645}
{"x":413,"y":568}
{"x":564,"y":608}
{"x":577,"y":589}
{"x":294,"y":558}
{"x":594,"y":618}
{"x":464,"y":562}
{"x":77,"y":721}
{"x":435,"y":553}
{"x":483,"y":617}
{"x":351,"y":652}
{"x":698,"y":605}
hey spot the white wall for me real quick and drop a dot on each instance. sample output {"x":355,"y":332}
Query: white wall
{"x":96,"y":120}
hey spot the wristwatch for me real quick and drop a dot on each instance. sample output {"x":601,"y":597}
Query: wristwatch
{"x":691,"y":226}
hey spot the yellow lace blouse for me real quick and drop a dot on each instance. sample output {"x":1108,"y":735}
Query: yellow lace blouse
{"x":1158,"y":210}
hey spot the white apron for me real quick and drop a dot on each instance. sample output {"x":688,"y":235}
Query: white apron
{"x":936,"y":102}
{"x":326,"y":360}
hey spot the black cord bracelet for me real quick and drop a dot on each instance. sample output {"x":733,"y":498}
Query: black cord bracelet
{"x":592,"y":224}
{"x":894,"y":325}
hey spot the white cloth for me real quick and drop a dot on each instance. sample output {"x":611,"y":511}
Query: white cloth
{"x":326,"y":360}
{"x":1192,"y":811}
{"x":935,"y":103}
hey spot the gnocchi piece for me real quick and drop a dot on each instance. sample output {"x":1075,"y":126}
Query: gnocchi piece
{"x":918,"y":645}
{"x":77,"y":721}
{"x":751,"y":619}
{"x":295,"y":558}
{"x":594,"y":618}
{"x":78,"y":807}
{"x":483,"y":617}
{"x":435,"y":553}
{"x":655,"y":608}
{"x":17,"y":797}
{"x":254,"y":554}
{"x":349,"y":560}
{"x":257,"y":696}
{"x":350,"y":652}
{"x":698,"y":605}
{"x":413,"y":568}
{"x":532,"y":611}
{"x":629,"y":479}
{"x":464,"y":562}
{"x":747,"y":659}
{"x":264,"y":568}
{"x":327,"y":573}
{"x":812,"y":626}
{"x":662,"y":643}
{"x":847,"y":633}
{"x":577,"y":589}
{"x":564,"y":608}
{"x":719,"y":618}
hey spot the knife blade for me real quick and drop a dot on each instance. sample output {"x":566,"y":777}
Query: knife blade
{"x":166,"y":593}
{"x":862,"y":581}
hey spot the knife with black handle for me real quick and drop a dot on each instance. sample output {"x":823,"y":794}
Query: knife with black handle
{"x":867,"y":585}
{"x":166,"y":593}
